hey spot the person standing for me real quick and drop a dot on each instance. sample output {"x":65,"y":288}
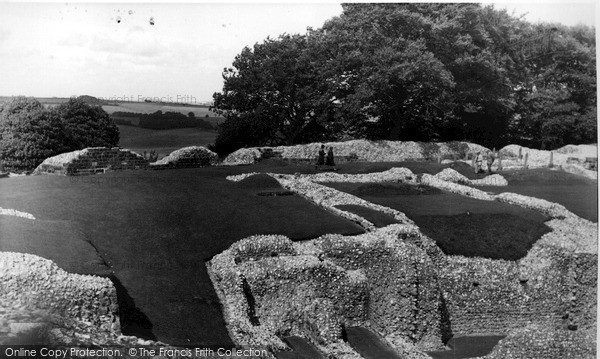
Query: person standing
{"x":329,"y":161}
{"x":490,"y":161}
{"x":321,"y":158}
{"x":478,"y":162}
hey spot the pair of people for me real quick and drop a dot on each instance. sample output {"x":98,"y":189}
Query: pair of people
{"x":327,"y":161}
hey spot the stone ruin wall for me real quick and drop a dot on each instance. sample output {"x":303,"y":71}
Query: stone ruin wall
{"x":407,"y":292}
{"x":35,"y":284}
{"x":491,"y":296}
{"x":92,"y":160}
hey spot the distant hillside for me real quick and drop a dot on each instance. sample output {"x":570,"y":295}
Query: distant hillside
{"x":91,"y":100}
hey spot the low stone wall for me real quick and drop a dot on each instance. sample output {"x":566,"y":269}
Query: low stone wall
{"x":187,"y":157}
{"x":35,"y":284}
{"x":91,"y":161}
{"x":243,"y":156}
{"x":366,"y":151}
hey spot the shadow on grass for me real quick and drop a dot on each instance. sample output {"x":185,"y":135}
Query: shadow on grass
{"x":491,"y":235}
{"x":133,"y":320}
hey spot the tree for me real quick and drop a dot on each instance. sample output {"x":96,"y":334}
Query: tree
{"x":28,"y":134}
{"x":383,"y":74}
{"x":557,"y":105}
{"x":415,"y":71}
{"x":86,"y":125}
{"x":275,"y":85}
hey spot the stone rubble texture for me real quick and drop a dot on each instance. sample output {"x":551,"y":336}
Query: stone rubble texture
{"x":187,"y":157}
{"x":376,"y":151}
{"x":410,"y":292}
{"x":243,"y":156}
{"x":90,"y":161}
{"x":14,"y":212}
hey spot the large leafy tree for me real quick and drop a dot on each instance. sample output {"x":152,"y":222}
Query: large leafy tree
{"x":557,"y":104}
{"x":86,"y":125}
{"x":381,"y":72}
{"x":275,"y":86}
{"x":415,"y":72}
{"x":28,"y":134}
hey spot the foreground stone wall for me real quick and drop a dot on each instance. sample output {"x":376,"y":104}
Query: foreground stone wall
{"x":32,"y":283}
{"x":491,"y":296}
{"x":417,"y":297}
{"x":536,"y":341}
{"x":272,"y":287}
{"x":403,"y":285}
{"x":90,"y":161}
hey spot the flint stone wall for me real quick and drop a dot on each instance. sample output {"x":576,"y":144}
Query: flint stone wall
{"x":536,"y":341}
{"x":92,"y":160}
{"x":187,"y":157}
{"x":493,"y":297}
{"x":38,"y":285}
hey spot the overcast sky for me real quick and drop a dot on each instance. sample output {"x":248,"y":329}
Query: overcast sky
{"x":112,"y":50}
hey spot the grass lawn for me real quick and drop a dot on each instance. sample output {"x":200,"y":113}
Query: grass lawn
{"x":155,"y":230}
{"x":459,"y":225}
{"x":163,"y":141}
{"x":577,"y":193}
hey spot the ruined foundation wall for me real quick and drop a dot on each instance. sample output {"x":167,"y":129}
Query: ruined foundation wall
{"x":36,"y":284}
{"x":92,"y":160}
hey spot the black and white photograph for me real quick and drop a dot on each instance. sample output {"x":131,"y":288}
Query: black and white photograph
{"x":318,"y":180}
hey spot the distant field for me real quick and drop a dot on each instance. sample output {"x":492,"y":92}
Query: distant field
{"x":142,"y":107}
{"x":163,"y":141}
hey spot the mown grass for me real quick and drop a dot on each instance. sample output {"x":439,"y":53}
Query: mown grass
{"x":155,"y":230}
{"x":458,"y":224}
{"x":577,"y":193}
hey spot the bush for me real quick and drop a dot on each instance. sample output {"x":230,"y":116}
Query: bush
{"x":86,"y":125}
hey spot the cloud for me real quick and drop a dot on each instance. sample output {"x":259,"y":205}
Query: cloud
{"x":136,"y":44}
{"x":4,"y":34}
{"x":74,"y":39}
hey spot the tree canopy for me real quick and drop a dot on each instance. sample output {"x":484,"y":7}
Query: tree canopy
{"x":29,"y":133}
{"x":425,"y":72}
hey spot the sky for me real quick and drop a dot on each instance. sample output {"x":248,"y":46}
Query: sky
{"x":171,"y":52}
